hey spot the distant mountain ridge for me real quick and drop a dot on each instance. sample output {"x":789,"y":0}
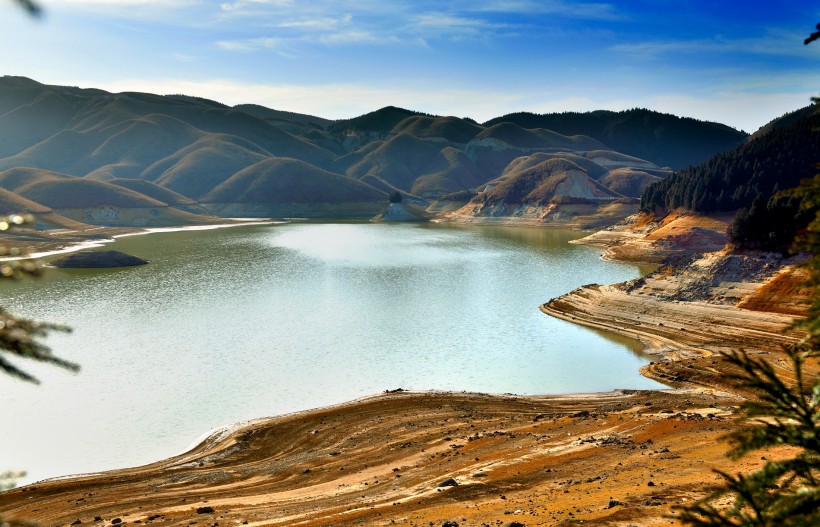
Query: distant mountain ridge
{"x":667,"y":140}
{"x":165,"y":153}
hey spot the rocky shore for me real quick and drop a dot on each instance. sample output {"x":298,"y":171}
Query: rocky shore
{"x":700,"y":302}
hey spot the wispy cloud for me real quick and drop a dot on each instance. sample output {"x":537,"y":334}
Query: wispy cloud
{"x":774,"y":43}
{"x":278,"y":45}
{"x":354,"y":37}
{"x":242,"y":6}
{"x":318,"y":24}
{"x":444,"y":24}
{"x":575,"y":10}
{"x":123,"y":3}
{"x":166,"y":12}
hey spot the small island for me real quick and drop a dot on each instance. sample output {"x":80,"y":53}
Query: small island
{"x":97,"y":260}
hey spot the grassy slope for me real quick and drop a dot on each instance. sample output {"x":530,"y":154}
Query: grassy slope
{"x":152,"y":190}
{"x":629,"y":181}
{"x":284,"y":180}
{"x":452,"y":129}
{"x":75,"y":193}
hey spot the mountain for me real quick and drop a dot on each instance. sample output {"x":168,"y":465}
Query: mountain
{"x":197,"y":168}
{"x":450,"y":129}
{"x":289,"y":187}
{"x":268,"y":114}
{"x":540,"y":184}
{"x":776,"y":159}
{"x":89,"y":148}
{"x":664,"y":139}
{"x":748,"y":180}
{"x":374,"y":124}
{"x":45,"y":217}
{"x":537,"y":191}
{"x":398,"y":162}
{"x":514,"y":135}
{"x":62,"y":201}
{"x":162,"y":194}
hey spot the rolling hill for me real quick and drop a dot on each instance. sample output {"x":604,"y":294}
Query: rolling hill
{"x":90,"y":148}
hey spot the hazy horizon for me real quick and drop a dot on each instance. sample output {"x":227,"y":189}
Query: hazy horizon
{"x":741,"y":64}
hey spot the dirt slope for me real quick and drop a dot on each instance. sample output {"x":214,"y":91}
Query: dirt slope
{"x":608,"y":459}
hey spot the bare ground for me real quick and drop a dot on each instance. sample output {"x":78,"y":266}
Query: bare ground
{"x":383,"y":461}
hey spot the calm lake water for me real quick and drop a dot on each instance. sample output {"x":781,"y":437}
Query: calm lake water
{"x":234,"y":324}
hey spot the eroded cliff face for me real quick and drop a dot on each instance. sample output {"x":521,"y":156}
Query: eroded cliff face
{"x":645,"y":239}
{"x":701,"y":300}
{"x":582,"y":214}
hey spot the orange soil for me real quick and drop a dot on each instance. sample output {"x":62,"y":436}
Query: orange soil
{"x":381,"y":461}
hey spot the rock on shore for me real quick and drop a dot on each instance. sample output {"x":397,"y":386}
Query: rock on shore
{"x":97,"y":260}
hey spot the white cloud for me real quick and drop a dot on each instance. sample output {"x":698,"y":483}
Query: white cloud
{"x":318,"y":24}
{"x":181,"y":57}
{"x":142,"y":10}
{"x":442,"y":25}
{"x":239,"y":6}
{"x":352,"y":37}
{"x":577,"y":10}
{"x":278,"y":45}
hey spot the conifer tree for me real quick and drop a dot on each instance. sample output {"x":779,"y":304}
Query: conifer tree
{"x":19,"y":336}
{"x":31,"y":7}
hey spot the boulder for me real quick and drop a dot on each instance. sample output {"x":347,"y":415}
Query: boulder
{"x":97,"y":260}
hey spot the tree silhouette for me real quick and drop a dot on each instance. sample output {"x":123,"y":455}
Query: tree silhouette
{"x":19,"y":336}
{"x":31,"y":8}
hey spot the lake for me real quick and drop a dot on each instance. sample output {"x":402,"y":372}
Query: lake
{"x":233,"y":324}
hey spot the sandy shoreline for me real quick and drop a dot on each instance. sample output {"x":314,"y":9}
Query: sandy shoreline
{"x":622,"y":458}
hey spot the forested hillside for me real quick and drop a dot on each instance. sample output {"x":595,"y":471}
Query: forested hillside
{"x":749,"y":180}
{"x":665,"y":139}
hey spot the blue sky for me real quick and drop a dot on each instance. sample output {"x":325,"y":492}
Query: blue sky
{"x":740,"y":63}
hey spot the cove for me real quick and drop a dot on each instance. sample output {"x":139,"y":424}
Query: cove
{"x":235,"y":324}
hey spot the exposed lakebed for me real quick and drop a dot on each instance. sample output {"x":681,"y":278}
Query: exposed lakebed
{"x":247,"y":322}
